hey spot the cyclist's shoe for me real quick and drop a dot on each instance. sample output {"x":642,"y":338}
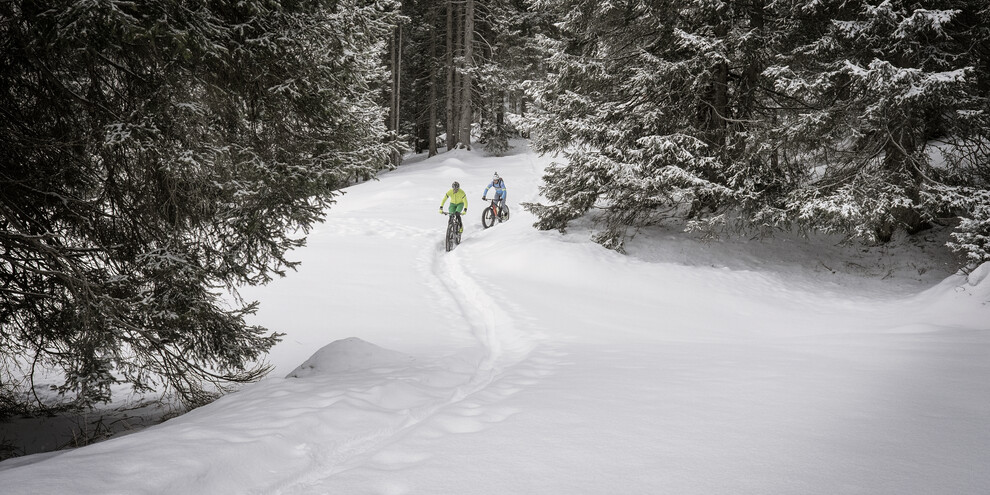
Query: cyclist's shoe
{"x":461,"y":230}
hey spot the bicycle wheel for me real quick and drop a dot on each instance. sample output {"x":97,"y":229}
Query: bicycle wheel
{"x":487,"y":217}
{"x":503,"y":214}
{"x":453,"y":237}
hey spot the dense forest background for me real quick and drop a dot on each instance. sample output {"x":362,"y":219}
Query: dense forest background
{"x":158,"y":155}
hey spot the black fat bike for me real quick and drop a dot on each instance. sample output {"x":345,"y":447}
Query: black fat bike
{"x":492,"y":213}
{"x":453,"y":231}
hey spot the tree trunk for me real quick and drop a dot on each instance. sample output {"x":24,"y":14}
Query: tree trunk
{"x":746,"y":98}
{"x":754,"y":64}
{"x":716,"y":102}
{"x":902,"y":144}
{"x":721,"y":104}
{"x":465,"y":121}
{"x":393,"y":124}
{"x":522,"y":113}
{"x":451,"y":124}
{"x":392,"y":111}
{"x":432,"y":120}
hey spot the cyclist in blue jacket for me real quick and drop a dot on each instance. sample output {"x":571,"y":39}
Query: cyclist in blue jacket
{"x":499,"y":184}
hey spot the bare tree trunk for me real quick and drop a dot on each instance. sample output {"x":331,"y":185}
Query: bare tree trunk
{"x":393,"y":124}
{"x":392,"y":59}
{"x":398,"y":77}
{"x":466,"y":113}
{"x":432,"y":120}
{"x":451,"y":127}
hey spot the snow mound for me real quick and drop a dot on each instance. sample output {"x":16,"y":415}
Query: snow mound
{"x":452,"y":162}
{"x":350,"y":354}
{"x":979,"y":275}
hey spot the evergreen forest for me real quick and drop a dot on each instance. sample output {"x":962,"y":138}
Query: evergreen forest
{"x":157,"y":155}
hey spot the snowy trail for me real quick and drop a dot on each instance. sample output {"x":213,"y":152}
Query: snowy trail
{"x":538,"y":362}
{"x":495,"y":329}
{"x":500,"y":346}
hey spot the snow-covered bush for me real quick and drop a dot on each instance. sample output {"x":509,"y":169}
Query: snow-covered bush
{"x":972,"y":237}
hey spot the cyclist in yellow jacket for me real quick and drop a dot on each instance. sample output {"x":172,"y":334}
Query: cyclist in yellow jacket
{"x":458,"y":202}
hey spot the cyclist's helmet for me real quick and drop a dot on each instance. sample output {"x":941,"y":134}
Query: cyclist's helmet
{"x":456,"y":185}
{"x":495,"y":177}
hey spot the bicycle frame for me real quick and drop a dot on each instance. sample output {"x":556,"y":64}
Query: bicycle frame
{"x":494,"y":213}
{"x":494,"y":207}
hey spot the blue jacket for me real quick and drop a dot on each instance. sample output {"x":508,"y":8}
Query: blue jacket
{"x":499,"y":188}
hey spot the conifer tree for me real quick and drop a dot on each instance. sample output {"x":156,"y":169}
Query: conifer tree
{"x":763,"y":115}
{"x":657,"y":110}
{"x":155,"y":157}
{"x":879,"y":86}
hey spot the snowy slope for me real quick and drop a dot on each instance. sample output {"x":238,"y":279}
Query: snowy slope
{"x":538,"y":362}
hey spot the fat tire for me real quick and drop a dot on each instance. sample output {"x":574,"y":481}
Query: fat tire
{"x":487,"y":218}
{"x":503,"y":214}
{"x":452,"y":236}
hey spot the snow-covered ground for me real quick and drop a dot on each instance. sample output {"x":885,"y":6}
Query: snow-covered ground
{"x":538,"y":362}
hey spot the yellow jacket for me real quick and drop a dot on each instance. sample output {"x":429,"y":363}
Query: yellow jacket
{"x":455,"y":197}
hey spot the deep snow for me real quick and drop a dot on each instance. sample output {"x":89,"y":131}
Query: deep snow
{"x":538,"y":362}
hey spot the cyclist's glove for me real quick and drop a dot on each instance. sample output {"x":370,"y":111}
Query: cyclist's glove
{"x":440,"y":211}
{"x":464,"y":211}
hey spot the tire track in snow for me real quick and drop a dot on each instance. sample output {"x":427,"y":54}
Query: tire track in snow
{"x":505,"y":360}
{"x":500,"y":346}
{"x":491,"y":325}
